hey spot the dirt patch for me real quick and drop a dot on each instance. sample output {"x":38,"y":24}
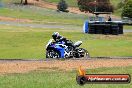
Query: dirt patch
{"x":27,"y":66}
{"x":48,"y":5}
{"x":14,"y":19}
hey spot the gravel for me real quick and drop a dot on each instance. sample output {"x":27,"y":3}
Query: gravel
{"x":23,"y":66}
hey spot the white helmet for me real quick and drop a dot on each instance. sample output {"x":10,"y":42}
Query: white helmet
{"x":55,"y":35}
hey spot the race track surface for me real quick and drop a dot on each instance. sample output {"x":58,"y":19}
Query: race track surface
{"x":24,"y":66}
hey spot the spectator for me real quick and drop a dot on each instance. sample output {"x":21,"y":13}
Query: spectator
{"x":109,"y":19}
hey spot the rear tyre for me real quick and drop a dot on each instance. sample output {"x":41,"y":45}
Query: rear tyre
{"x":52,"y":54}
{"x":86,"y":54}
{"x":82,"y":53}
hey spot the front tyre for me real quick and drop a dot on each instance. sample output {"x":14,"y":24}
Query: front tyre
{"x":52,"y":54}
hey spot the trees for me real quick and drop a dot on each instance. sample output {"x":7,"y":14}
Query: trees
{"x":95,"y":6}
{"x":62,"y":6}
{"x":127,"y":9}
{"x":25,"y":2}
{"x":121,"y":4}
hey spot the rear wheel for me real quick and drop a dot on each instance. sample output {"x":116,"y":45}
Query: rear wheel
{"x":86,"y":54}
{"x":82,"y":53}
{"x":52,"y":54}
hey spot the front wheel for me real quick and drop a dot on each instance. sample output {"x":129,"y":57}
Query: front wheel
{"x":52,"y":54}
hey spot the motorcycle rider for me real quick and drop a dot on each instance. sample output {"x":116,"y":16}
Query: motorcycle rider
{"x":58,"y":38}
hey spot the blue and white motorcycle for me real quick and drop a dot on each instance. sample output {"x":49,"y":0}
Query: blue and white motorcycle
{"x":60,"y":50}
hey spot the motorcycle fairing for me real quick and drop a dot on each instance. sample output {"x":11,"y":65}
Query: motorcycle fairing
{"x":61,"y":50}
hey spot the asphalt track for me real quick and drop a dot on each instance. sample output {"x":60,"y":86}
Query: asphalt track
{"x":50,"y":59}
{"x":35,"y":25}
{"x":50,"y":26}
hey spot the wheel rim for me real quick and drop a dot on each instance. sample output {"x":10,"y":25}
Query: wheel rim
{"x":55,"y":55}
{"x":52,"y":54}
{"x":84,"y":53}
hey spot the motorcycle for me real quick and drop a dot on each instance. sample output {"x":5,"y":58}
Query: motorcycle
{"x":60,"y":50}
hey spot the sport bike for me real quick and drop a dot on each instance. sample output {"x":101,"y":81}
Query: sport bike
{"x":61,"y":50}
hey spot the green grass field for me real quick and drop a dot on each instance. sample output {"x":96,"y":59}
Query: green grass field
{"x":45,"y":16}
{"x":29,"y":43}
{"x":73,"y":3}
{"x":59,"y":79}
{"x":42,"y":15}
{"x":128,"y":27}
{"x":26,"y":43}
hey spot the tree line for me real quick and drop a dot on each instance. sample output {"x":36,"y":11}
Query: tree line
{"x":96,"y":6}
{"x":25,"y":2}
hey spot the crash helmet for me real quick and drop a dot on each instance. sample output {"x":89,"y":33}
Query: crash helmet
{"x":55,"y":35}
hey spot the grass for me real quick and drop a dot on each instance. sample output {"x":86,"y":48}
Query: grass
{"x":19,"y":12}
{"x":71,"y":3}
{"x":117,"y":12}
{"x":128,"y":27}
{"x":25,"y":42}
{"x":115,"y":3}
{"x":42,"y":15}
{"x":59,"y":79}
